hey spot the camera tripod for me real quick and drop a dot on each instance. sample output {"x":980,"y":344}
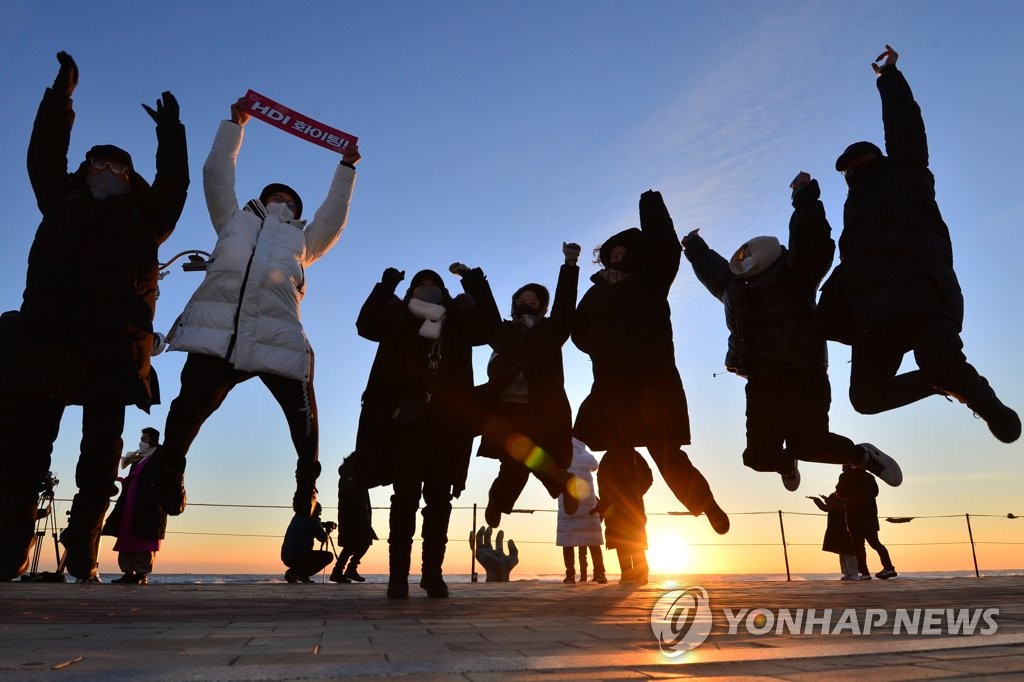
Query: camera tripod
{"x":46,"y":521}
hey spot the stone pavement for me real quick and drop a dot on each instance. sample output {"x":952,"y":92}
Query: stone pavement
{"x":524,"y":630}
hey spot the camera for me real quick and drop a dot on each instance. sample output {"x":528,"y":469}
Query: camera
{"x":49,"y":483}
{"x":329,"y":526}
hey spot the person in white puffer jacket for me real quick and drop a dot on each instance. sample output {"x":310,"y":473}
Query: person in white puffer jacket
{"x":243,"y":321}
{"x":583,"y":528}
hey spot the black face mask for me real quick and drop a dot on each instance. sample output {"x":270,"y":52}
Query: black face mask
{"x":855,"y":175}
{"x":520,"y":309}
{"x":430,"y":294}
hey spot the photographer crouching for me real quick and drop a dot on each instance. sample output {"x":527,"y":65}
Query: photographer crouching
{"x":297,"y":551}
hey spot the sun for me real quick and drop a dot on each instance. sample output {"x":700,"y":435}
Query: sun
{"x":668,"y":554}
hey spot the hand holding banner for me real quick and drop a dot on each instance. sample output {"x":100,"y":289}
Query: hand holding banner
{"x":280,"y":116}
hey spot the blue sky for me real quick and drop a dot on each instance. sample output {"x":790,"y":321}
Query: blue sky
{"x":493,"y":132}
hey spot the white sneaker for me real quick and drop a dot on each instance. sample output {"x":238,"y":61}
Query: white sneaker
{"x":791,"y":481}
{"x":881,"y":464}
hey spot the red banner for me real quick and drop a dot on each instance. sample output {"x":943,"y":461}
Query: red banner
{"x":297,"y":124}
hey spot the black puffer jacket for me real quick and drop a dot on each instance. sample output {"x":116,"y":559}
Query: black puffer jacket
{"x":626,"y":328}
{"x":536,"y":352}
{"x":399,"y":382}
{"x":897,"y":258}
{"x":771,"y":315}
{"x":859,"y":491}
{"x":90,"y":294}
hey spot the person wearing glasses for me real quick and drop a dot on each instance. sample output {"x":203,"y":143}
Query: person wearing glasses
{"x":895,"y":290}
{"x":243,"y":321}
{"x":86,"y":319}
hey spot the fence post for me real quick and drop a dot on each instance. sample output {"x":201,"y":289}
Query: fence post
{"x":785,"y":550}
{"x":974,"y":554}
{"x":472,"y":548}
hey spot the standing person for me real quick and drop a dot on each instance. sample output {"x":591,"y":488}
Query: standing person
{"x":355,"y":521}
{"x":895,"y":290}
{"x":769,"y":295}
{"x":86,"y":320}
{"x":623,"y":478}
{"x":858,"y":491}
{"x":624,"y":324}
{"x":580,"y":528}
{"x":244,"y":321}
{"x":837,"y":536}
{"x":417,"y":422}
{"x":138,"y":521}
{"x":528,"y":422}
{"x":297,"y":553}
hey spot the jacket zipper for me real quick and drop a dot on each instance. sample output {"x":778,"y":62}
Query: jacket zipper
{"x":241,"y":295}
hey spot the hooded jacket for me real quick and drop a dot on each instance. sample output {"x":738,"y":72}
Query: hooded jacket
{"x":581,"y":529}
{"x":246,"y":311}
{"x":626,"y":329}
{"x":86,"y":322}
{"x":770,"y":316}
{"x":896,"y":253}
{"x":406,"y":394}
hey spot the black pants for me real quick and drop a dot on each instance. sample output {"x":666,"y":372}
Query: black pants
{"x":28,"y":429}
{"x":352,"y":555}
{"x":622,"y":479}
{"x":685,"y":481}
{"x":869,"y":535}
{"x":309,"y":563}
{"x":206,"y":382}
{"x":787,"y":420}
{"x":596,"y":556}
{"x":876,"y":356}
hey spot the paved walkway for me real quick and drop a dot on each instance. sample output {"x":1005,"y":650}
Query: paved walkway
{"x":526,"y":630}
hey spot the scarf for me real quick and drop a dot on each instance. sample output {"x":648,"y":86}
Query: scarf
{"x":432,"y":315}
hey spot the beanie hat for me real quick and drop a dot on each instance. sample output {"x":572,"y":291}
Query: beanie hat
{"x":633,"y":240}
{"x":422,"y":275}
{"x":109,"y":151}
{"x":854,"y":150}
{"x":539,"y":289}
{"x":279,"y":187}
{"x":763,"y":252}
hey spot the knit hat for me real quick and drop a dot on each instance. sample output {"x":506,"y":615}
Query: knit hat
{"x":279,"y":187}
{"x":632,"y":239}
{"x":109,"y":151}
{"x":763,"y":252}
{"x":854,"y":150}
{"x":539,"y":289}
{"x":423,"y":275}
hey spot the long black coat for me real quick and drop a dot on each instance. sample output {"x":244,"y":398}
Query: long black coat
{"x":396,"y":391}
{"x":897,"y":257}
{"x":859,"y":489}
{"x":837,"y":536}
{"x":626,"y":328}
{"x":90,"y":295}
{"x":771,"y":315}
{"x":148,"y":517}
{"x":536,"y":352}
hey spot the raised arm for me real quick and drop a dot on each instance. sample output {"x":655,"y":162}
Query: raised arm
{"x":329,"y":220}
{"x":563,"y":310}
{"x":905,"y":138}
{"x":811,"y":248}
{"x":661,"y":243}
{"x":219,"y":169}
{"x":170,"y":186}
{"x":379,"y":314}
{"x":710,"y":267}
{"x":486,"y":319}
{"x":51,"y":136}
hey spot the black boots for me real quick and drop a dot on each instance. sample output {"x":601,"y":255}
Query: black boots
{"x":435,"y":585}
{"x":172,"y":487}
{"x":304,"y":500}
{"x":132,"y":579}
{"x":570,"y":576}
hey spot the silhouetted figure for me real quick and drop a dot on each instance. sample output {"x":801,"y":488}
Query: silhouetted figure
{"x":526,"y":418}
{"x":417,"y":423}
{"x":624,"y":324}
{"x":355,"y":521}
{"x":858,"y":491}
{"x":86,"y":321}
{"x":895,"y":290}
{"x":138,"y":520}
{"x":581,"y":529}
{"x":623,"y":477}
{"x":769,"y":295}
{"x":837,"y":536}
{"x":297,"y":551}
{"x":244,"y":321}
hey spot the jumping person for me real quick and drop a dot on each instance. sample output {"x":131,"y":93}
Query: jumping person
{"x":895,"y":290}
{"x":624,"y":324}
{"x":243,"y":321}
{"x":769,"y":295}
{"x":86,"y":320}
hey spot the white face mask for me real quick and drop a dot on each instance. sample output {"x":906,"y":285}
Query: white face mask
{"x":143,"y":445}
{"x":105,"y":185}
{"x":280,"y":210}
{"x":748,"y":264}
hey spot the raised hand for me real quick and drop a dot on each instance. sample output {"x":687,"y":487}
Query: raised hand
{"x":690,"y":235}
{"x":239,"y":114}
{"x":890,"y":56}
{"x":167,"y":110}
{"x":391,"y":277}
{"x":459,"y":269}
{"x":67,"y":76}
{"x":571,"y":251}
{"x":351,"y":156}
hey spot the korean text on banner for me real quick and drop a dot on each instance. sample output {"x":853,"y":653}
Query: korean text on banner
{"x":297,"y":124}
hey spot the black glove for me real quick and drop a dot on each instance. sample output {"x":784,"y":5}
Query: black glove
{"x":67,"y":77}
{"x":392,"y":277}
{"x":167,"y":111}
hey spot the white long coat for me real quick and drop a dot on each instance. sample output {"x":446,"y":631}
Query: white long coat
{"x":247,"y":308}
{"x":582,"y":528}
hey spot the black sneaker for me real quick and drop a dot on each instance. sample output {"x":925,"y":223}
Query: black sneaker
{"x":126,"y":579}
{"x":290,"y":576}
{"x":435,"y":586}
{"x":353,"y":575}
{"x":887,"y":573}
{"x":1003,"y":422}
{"x":881,"y":464}
{"x":791,"y":481}
{"x":398,"y":587}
